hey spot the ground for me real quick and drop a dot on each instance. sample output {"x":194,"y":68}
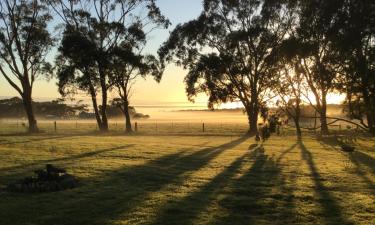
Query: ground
{"x":191,"y":179}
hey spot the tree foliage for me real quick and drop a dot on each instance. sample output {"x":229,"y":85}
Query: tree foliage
{"x":228,"y":49}
{"x":356,"y":43}
{"x":94,"y":38}
{"x":24,"y":44}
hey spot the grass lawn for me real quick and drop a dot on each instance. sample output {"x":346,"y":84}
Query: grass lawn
{"x":182,"y":179}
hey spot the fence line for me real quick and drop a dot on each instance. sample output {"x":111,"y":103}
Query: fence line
{"x":165,"y":127}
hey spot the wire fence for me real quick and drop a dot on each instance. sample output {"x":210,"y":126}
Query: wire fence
{"x":148,"y":127}
{"x":138,"y":127}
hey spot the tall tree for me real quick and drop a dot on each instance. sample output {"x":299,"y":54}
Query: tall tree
{"x":127,"y":67}
{"x":227,"y":51}
{"x":318,"y":57}
{"x":101,"y":29}
{"x":356,"y":44}
{"x":291,"y":82}
{"x":24,"y":43}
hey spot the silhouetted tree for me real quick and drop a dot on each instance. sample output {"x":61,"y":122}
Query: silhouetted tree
{"x":227,"y":50}
{"x":291,"y":82}
{"x":127,"y":67}
{"x":90,"y":38}
{"x":356,"y":44}
{"x":316,"y":34}
{"x":24,"y":44}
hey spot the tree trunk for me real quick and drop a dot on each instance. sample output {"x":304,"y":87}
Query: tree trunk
{"x":296,"y":118}
{"x":104,"y":127}
{"x":371,"y":120}
{"x":298,"y":129}
{"x":370,"y":111}
{"x":252,"y":116}
{"x":369,"y":101}
{"x":95,"y":106}
{"x":323,"y":115}
{"x":27,"y":103}
{"x":128,"y":124}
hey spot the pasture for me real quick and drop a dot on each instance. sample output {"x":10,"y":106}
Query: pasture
{"x":190,"y":178}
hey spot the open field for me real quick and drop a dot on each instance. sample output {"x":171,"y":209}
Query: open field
{"x":182,"y":178}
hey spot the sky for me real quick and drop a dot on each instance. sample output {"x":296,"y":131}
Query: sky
{"x":170,"y":89}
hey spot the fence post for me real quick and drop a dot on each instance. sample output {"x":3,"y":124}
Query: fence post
{"x":55,"y":123}
{"x":156,"y":126}
{"x":203,"y":127}
{"x":136,"y":126}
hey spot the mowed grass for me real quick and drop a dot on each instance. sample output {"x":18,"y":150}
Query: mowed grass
{"x":191,"y":179}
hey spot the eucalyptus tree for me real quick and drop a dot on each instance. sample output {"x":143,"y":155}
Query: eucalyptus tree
{"x":128,"y":66}
{"x":24,"y":43}
{"x":93,"y":30}
{"x":318,"y":57}
{"x":291,"y":83}
{"x":227,"y":51}
{"x":356,"y":44}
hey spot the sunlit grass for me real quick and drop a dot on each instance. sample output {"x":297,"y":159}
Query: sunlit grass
{"x":190,"y":179}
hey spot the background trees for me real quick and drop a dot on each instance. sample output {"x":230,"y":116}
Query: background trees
{"x":24,"y":43}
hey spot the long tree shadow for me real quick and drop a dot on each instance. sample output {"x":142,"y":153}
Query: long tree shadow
{"x":252,"y":199}
{"x":15,"y":172}
{"x":357,"y":158}
{"x":36,"y":138}
{"x":331,"y":210}
{"x":285,"y":152}
{"x":185,"y":210}
{"x":115,"y":194}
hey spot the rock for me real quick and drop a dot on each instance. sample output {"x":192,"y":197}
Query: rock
{"x":347,"y":148}
{"x":68,"y":181}
{"x":48,"y":180}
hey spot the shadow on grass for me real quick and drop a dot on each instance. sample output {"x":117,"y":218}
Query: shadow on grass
{"x":357,"y":158}
{"x":55,"y":136}
{"x":17,"y":171}
{"x":113,"y":196}
{"x":185,"y":210}
{"x":331,"y":210}
{"x":285,"y":152}
{"x":35,"y":138}
{"x":258,"y":196}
